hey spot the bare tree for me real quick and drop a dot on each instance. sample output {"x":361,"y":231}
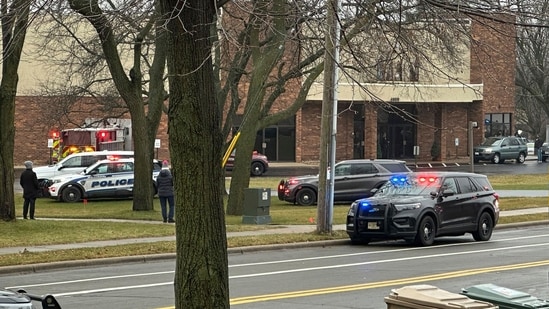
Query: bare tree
{"x":279,"y":47}
{"x":194,"y":119}
{"x":146,"y":110}
{"x":14,"y":17}
{"x":533,"y":67}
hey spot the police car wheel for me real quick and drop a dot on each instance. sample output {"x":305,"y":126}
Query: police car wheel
{"x":71,"y":195}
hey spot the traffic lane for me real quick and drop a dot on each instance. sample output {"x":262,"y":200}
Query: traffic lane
{"x":310,"y":276}
{"x":371,"y":294}
{"x":390,"y":262}
{"x":123,"y":286}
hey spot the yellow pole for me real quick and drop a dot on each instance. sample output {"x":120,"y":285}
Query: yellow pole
{"x":230,"y":149}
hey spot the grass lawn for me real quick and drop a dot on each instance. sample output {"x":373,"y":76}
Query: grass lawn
{"x":66,"y":229}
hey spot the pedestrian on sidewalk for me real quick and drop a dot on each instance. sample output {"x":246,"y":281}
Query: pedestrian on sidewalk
{"x":164,"y":185}
{"x":538,"y":143}
{"x":30,"y":185}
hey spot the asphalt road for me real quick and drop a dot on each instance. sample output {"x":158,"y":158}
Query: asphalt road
{"x":328,"y":277}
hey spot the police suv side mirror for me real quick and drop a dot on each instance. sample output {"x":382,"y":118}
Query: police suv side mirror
{"x":447,"y":192}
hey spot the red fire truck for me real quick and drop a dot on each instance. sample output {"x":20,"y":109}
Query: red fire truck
{"x":71,"y":141}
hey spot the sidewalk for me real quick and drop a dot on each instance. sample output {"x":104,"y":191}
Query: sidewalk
{"x":286,"y":229}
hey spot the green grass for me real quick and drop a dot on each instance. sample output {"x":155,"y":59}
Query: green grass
{"x":68,"y":230}
{"x":520,"y":182}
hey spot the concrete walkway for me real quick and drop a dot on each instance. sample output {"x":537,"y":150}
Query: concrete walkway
{"x":285,"y":229}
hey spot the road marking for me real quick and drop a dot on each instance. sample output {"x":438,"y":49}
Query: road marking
{"x":373,"y":285}
{"x":410,"y":258}
{"x":319,"y":258}
{"x":478,"y":243}
{"x":379,"y":284}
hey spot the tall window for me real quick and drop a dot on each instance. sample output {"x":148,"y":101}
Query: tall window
{"x":498,"y":124}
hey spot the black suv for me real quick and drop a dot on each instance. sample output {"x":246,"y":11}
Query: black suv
{"x":354,"y":179}
{"x":418,"y":207}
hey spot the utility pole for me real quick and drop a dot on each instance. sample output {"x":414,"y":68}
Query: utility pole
{"x":471,"y":125}
{"x":328,"y":122}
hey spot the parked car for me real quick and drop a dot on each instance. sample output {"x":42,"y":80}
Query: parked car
{"x":500,"y":148}
{"x":20,"y":299}
{"x":421,"y":206}
{"x":74,"y":164}
{"x":354,"y":179}
{"x":104,"y":179}
{"x":260,"y":163}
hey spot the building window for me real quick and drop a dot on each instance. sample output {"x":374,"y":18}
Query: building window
{"x":498,"y":124}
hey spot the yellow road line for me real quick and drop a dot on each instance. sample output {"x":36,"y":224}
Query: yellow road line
{"x":373,"y":285}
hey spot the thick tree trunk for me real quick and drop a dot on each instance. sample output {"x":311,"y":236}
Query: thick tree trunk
{"x":7,"y":137}
{"x":143,"y":191}
{"x":201,"y":277}
{"x":14,"y":20}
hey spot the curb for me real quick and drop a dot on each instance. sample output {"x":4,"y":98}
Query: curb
{"x":34,"y":268}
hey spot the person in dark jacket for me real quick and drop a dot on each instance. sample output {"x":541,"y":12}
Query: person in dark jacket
{"x":538,"y":143}
{"x":164,"y":185}
{"x":30,"y":185}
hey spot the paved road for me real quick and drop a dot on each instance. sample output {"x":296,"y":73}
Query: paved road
{"x":327,"y":276}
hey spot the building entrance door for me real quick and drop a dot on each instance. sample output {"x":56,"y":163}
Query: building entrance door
{"x":401,"y":139}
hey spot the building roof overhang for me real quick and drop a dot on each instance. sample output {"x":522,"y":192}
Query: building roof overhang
{"x":402,"y":92}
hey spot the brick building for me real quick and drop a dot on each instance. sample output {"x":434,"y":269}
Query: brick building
{"x":483,"y":92}
{"x":367,"y":128}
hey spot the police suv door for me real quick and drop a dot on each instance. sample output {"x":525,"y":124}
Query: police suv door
{"x":110,"y":179}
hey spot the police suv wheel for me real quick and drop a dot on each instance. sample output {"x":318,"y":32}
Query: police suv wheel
{"x":426,"y":232}
{"x":485,"y":228}
{"x":71,"y":195}
{"x":305,"y":197}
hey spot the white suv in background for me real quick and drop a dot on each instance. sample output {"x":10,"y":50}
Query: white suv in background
{"x":77,"y":162}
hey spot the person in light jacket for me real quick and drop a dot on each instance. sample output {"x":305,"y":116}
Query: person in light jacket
{"x":164,"y":185}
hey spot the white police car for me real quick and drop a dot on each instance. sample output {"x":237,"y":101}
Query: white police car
{"x":104,"y":179}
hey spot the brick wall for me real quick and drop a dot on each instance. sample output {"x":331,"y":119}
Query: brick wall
{"x":493,"y":54}
{"x":34,"y":120}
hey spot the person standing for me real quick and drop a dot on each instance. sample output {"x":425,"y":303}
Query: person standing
{"x":538,"y":143}
{"x":164,"y":185}
{"x":30,"y":185}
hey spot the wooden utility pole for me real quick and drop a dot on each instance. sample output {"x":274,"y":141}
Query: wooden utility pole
{"x":328,"y":122}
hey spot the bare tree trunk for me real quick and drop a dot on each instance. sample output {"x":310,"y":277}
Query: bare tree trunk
{"x":201,"y":276}
{"x":7,"y":137}
{"x":14,"y":28}
{"x":145,"y":118}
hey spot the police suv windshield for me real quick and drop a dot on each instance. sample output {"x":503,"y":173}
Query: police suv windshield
{"x":404,"y":185}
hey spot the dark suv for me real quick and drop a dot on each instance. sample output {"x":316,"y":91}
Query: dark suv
{"x":354,"y":179}
{"x":500,"y":148}
{"x":418,"y":207}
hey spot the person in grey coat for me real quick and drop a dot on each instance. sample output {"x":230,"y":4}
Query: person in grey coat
{"x":164,"y":185}
{"x":30,"y":185}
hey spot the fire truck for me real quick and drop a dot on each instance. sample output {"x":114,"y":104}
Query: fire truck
{"x":106,"y":137}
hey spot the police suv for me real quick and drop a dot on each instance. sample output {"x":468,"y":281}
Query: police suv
{"x":112,"y":178}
